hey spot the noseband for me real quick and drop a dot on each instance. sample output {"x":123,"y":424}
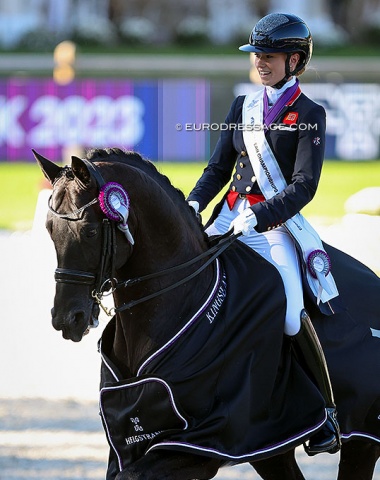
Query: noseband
{"x":66,"y":275}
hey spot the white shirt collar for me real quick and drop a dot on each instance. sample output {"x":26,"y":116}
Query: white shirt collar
{"x":274,"y":93}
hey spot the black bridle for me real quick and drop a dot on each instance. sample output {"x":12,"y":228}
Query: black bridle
{"x":106,"y":270}
{"x":105,"y":279}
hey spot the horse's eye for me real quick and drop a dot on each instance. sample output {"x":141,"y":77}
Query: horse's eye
{"x":91,"y":231}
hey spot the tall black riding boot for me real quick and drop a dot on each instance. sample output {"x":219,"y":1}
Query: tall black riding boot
{"x":309,"y":351}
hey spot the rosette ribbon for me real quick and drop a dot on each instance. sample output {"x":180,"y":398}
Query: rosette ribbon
{"x":319,"y":265}
{"x":114,"y":202}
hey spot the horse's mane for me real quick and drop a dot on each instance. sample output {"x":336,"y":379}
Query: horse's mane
{"x":134,"y":159}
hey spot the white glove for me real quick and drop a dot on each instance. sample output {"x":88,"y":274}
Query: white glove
{"x":245,"y":222}
{"x":194,"y":205}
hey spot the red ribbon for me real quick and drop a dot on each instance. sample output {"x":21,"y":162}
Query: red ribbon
{"x":252,"y":199}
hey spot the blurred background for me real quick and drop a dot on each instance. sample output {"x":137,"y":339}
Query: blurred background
{"x":76,"y":74}
{"x":85,"y":73}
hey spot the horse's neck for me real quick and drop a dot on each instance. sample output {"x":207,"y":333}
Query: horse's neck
{"x":147,"y":326}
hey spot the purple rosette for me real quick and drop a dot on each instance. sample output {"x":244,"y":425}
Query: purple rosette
{"x":112,"y":198}
{"x":318,"y":262}
{"x":114,"y":202}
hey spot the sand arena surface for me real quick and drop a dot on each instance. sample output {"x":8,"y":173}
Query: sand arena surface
{"x":62,"y":439}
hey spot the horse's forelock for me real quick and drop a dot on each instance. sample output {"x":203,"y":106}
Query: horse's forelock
{"x":65,"y":172}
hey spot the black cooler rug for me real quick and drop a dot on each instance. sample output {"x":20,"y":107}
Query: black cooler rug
{"x":225,"y":385}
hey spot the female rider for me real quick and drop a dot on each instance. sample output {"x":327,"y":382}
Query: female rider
{"x":258,"y":203}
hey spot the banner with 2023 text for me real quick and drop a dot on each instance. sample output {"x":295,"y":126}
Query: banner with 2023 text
{"x":98,"y":113}
{"x":163,"y":119}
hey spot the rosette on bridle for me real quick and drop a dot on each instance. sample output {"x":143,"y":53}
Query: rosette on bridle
{"x":114,"y":202}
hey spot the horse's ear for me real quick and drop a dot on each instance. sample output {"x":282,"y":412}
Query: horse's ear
{"x":49,"y":169}
{"x":81,"y":172}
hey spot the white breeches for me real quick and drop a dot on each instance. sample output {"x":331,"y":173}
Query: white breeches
{"x":277,"y":246}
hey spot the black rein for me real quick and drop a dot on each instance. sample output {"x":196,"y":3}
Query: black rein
{"x":215,"y":251}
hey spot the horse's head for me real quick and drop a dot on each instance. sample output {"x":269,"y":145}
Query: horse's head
{"x":94,"y":232}
{"x":85,"y":241}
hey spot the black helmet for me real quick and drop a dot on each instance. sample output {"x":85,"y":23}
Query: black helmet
{"x":281,"y":32}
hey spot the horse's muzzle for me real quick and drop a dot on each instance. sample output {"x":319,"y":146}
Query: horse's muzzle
{"x":75,"y":324}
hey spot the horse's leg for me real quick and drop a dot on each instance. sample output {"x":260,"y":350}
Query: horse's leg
{"x":357,"y":460}
{"x":280,"y":467}
{"x":170,"y":465}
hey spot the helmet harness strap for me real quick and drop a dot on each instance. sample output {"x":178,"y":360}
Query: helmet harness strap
{"x":288,"y":73}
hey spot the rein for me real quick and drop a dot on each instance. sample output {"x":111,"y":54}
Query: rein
{"x":102,"y":283}
{"x":215,"y":251}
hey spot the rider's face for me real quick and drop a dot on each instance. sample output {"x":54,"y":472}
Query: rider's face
{"x":271,"y":66}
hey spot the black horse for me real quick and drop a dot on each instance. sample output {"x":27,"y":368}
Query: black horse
{"x":196,"y":371}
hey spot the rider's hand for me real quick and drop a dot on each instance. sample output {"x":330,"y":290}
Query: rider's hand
{"x":245,"y":222}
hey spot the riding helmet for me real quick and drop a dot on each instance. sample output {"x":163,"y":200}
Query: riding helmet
{"x":281,"y":32}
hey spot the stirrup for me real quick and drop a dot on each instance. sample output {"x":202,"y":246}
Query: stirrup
{"x":332,"y":441}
